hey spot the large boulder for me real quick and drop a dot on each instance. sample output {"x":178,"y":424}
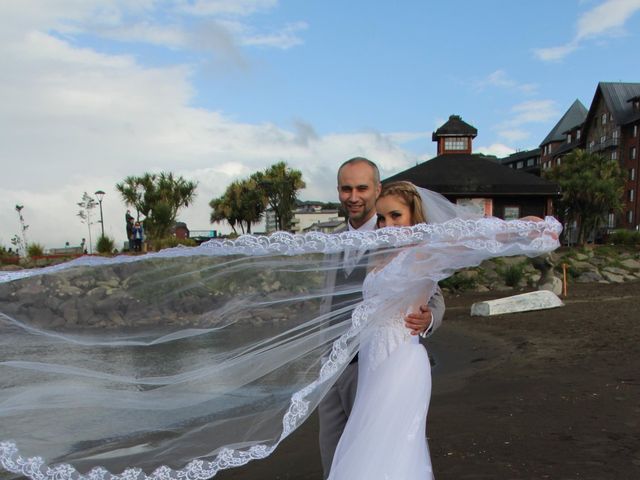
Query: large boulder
{"x":590,"y":276}
{"x":554,"y":284}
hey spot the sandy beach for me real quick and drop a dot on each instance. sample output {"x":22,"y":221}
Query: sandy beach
{"x":552,"y":394}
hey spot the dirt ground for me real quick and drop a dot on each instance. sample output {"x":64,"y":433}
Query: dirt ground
{"x":552,"y":394}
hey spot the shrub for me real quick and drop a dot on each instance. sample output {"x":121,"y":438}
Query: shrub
{"x":625,"y":237}
{"x":105,"y":245}
{"x":458,"y":283}
{"x":513,"y":274}
{"x":170,"y":242}
{"x":35,"y":250}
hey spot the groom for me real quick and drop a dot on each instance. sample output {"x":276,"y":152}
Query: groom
{"x":358,"y":188}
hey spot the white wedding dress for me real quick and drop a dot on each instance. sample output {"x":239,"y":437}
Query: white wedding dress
{"x":385,"y":435}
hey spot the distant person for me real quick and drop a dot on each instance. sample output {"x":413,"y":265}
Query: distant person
{"x":138,"y":237}
{"x":129,"y":219}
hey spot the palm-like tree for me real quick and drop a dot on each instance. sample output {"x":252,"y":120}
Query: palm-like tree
{"x":592,"y":187}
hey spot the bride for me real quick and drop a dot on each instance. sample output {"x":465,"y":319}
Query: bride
{"x":182,"y":363}
{"x":385,"y":435}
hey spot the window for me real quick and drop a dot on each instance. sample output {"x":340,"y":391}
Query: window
{"x":632,"y":174}
{"x":633,"y":153}
{"x":531,"y":162}
{"x":568,"y":138}
{"x":578,"y":134}
{"x":635,"y":131}
{"x":614,"y":155}
{"x":455,"y":143}
{"x":604,"y":119}
{"x":615,"y":134}
{"x":631,"y":195}
{"x":558,"y":161}
{"x":603,"y":138}
{"x":611,"y":220}
{"x":630,"y":216}
{"x":520,"y":164}
{"x":511,"y":213}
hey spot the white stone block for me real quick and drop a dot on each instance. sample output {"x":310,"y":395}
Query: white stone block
{"x":525,"y":302}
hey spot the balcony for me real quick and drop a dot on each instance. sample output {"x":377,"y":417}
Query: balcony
{"x":608,"y":143}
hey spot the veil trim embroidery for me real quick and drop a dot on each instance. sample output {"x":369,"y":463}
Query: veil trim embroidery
{"x":284,"y":243}
{"x":471,"y":232}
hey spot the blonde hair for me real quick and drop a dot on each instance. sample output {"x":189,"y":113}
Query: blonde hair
{"x":408,"y":194}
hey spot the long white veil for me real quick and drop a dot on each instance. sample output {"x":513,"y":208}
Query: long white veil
{"x":178,"y":364}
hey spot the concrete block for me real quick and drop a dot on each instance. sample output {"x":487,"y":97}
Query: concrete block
{"x":540,"y":300}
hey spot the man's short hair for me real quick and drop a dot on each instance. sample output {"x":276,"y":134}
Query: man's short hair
{"x":355,"y":160}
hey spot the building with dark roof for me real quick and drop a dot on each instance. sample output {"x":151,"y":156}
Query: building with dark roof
{"x":609,"y":128}
{"x":564,"y":136}
{"x":479,"y":180}
{"x":526,"y":160}
{"x":455,"y":136}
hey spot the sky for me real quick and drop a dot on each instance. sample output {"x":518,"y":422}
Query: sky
{"x":92,"y":91}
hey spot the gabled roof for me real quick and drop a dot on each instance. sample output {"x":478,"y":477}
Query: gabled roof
{"x":455,"y":126}
{"x":473,"y":174}
{"x":573,"y":117}
{"x":524,"y":154}
{"x":567,"y":147}
{"x":617,"y":95}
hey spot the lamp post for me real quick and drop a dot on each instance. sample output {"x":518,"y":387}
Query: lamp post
{"x":100,"y":195}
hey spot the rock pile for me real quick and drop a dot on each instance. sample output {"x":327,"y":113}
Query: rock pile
{"x":601,"y":264}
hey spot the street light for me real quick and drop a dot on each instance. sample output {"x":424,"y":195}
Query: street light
{"x":100,"y":194}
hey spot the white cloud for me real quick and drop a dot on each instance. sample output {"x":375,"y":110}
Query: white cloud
{"x":513,"y":129}
{"x":284,"y":38}
{"x":555,"y":53}
{"x":533,"y":111}
{"x":76,"y":120}
{"x":500,"y":150}
{"x":500,"y":79}
{"x":218,"y":7}
{"x":605,"y":19}
{"x":514,"y":135}
{"x":215,"y":27}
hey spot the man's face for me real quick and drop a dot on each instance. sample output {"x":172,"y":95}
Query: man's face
{"x":358,"y":190}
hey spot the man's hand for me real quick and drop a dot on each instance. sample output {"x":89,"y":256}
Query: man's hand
{"x":419,"y":322}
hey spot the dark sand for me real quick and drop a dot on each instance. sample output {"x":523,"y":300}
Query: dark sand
{"x":551,"y":394}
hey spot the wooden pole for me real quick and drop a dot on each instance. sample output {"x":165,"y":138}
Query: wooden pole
{"x":564,"y":280}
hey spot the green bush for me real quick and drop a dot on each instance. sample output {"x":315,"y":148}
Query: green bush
{"x":170,"y":242}
{"x":458,"y":283}
{"x":625,"y":237}
{"x":35,"y":250}
{"x":513,"y":274}
{"x":105,"y":245}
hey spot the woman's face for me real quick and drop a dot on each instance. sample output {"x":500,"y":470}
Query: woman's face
{"x":393,"y":212}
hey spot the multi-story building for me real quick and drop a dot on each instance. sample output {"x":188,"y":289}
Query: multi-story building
{"x":306,"y":214}
{"x":609,"y":128}
{"x":525,"y":160}
{"x":565,"y":136}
